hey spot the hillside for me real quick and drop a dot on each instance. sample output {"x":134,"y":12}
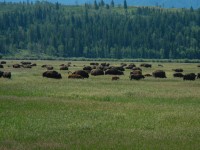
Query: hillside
{"x":100,"y":31}
{"x":162,"y":3}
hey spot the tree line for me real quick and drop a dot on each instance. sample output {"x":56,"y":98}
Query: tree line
{"x":99,"y":30}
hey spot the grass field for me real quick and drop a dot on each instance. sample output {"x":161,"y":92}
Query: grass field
{"x":98,"y":113}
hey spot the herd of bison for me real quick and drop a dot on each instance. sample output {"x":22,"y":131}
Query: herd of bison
{"x":97,"y":69}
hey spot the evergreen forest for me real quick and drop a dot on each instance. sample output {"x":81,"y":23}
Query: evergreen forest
{"x":99,"y":30}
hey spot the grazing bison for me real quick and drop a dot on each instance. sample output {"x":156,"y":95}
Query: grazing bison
{"x":146,"y":65}
{"x":25,"y":63}
{"x":159,"y":74}
{"x":75,"y":76}
{"x":113,"y":72}
{"x":178,"y":70}
{"x":3,"y":62}
{"x":7,"y":75}
{"x":178,"y":74}
{"x":94,"y":64}
{"x":34,"y":64}
{"x":123,"y":64}
{"x":136,"y":77}
{"x":1,"y":74}
{"x":27,"y":66}
{"x":189,"y":76}
{"x":120,"y":68}
{"x":16,"y":66}
{"x":130,"y":66}
{"x":64,"y":67}
{"x":115,"y":78}
{"x":44,"y":66}
{"x":198,"y":76}
{"x":83,"y":73}
{"x":97,"y":72}
{"x":105,"y":64}
{"x":52,"y":74}
{"x":1,"y":66}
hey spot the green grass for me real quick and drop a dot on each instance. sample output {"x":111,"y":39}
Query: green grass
{"x":98,"y":113}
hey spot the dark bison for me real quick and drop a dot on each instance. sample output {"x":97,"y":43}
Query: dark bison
{"x":25,"y":63}
{"x":75,"y":76}
{"x":178,"y":74}
{"x":87,"y":68}
{"x":1,"y":66}
{"x":94,"y":64}
{"x":52,"y":74}
{"x":148,"y":75}
{"x":83,"y":73}
{"x":198,"y":76}
{"x":97,"y":72}
{"x":136,"y":72}
{"x":7,"y":75}
{"x":105,"y":64}
{"x":115,"y":78}
{"x":27,"y":66}
{"x":189,"y":76}
{"x":120,"y":68}
{"x":130,"y":66}
{"x":34,"y":64}
{"x":16,"y":66}
{"x":64,"y":68}
{"x":136,"y":68}
{"x":123,"y":64}
{"x":136,"y":77}
{"x":198,"y":65}
{"x":159,"y":74}
{"x":3,"y":62}
{"x":1,"y":74}
{"x":44,"y":66}
{"x":113,"y":72}
{"x":49,"y":67}
{"x":178,"y":70}
{"x":146,"y":65}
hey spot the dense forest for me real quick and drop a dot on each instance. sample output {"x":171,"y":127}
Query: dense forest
{"x":99,"y":30}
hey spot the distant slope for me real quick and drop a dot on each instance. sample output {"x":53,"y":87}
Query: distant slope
{"x":162,"y":3}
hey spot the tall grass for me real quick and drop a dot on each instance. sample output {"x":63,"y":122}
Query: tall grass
{"x":98,"y":113}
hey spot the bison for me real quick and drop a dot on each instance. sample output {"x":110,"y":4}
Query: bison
{"x":136,"y":72}
{"x":75,"y":76}
{"x":52,"y":74}
{"x":136,"y":68}
{"x":178,"y":74}
{"x":136,"y":77}
{"x":113,"y":72}
{"x":97,"y":72}
{"x":34,"y":64}
{"x":83,"y":73}
{"x":87,"y":68}
{"x":64,"y":67}
{"x":3,"y":62}
{"x":49,"y":67}
{"x":146,"y":65}
{"x":189,"y":76}
{"x":94,"y":64}
{"x":1,"y":74}
{"x":159,"y":74}
{"x":7,"y":75}
{"x":115,"y":78}
{"x":148,"y":75}
{"x":25,"y":63}
{"x":130,"y":66}
{"x":1,"y":66}
{"x":198,"y":76}
{"x":16,"y":66}
{"x":27,"y":66}
{"x":178,"y":70}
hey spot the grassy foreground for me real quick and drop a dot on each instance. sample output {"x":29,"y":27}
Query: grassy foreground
{"x":97,"y":113}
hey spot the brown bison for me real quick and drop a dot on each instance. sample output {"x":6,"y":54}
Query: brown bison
{"x":1,"y":74}
{"x":148,"y":75}
{"x":75,"y":76}
{"x":52,"y":74}
{"x":115,"y":78}
{"x":3,"y":62}
{"x":136,"y":72}
{"x":146,"y":65}
{"x":123,"y":64}
{"x":136,"y":77}
{"x":44,"y":66}
{"x":105,"y":64}
{"x":120,"y":68}
{"x":130,"y":66}
{"x":136,"y":68}
{"x":87,"y":68}
{"x":189,"y":76}
{"x":34,"y":64}
{"x":159,"y":74}
{"x":64,"y":68}
{"x":1,"y":66}
{"x":178,"y":70}
{"x":25,"y":63}
{"x":16,"y":66}
{"x":49,"y":67}
{"x":7,"y":75}
{"x":198,"y":76}
{"x":178,"y":74}
{"x":83,"y":73}
{"x":94,"y":64}
{"x":113,"y":72}
{"x":97,"y":72}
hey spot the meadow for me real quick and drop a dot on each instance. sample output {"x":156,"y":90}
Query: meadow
{"x":98,"y":113}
